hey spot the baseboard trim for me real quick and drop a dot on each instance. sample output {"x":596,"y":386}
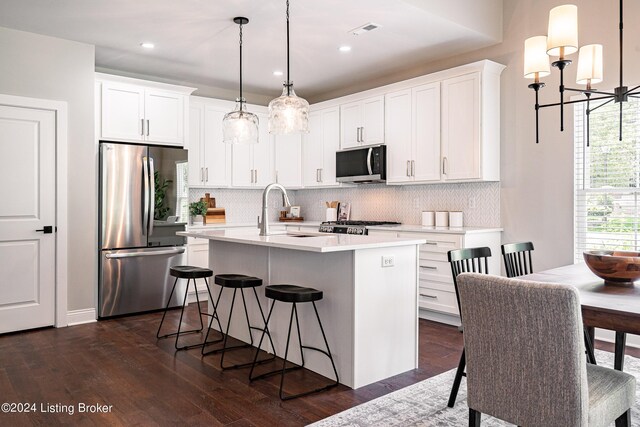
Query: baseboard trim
{"x":78,"y":317}
{"x":203,"y":295}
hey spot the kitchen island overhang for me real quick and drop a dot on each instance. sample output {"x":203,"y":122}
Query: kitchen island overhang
{"x":369,"y":311}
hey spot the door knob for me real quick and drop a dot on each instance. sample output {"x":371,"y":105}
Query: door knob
{"x":47,"y":229}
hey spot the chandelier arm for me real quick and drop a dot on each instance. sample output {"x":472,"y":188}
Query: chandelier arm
{"x":601,"y":105}
{"x":555,"y":104}
{"x":588,"y":113}
{"x":620,"y":135}
{"x":561,"y":99}
{"x":630,"y":91}
{"x":589,"y":91}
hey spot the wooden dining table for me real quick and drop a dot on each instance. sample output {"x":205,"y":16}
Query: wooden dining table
{"x":612,"y":307}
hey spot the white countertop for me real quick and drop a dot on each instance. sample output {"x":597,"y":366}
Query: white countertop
{"x":320,"y":242}
{"x":397,"y":228}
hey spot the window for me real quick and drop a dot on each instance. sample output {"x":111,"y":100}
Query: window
{"x":607,"y":178}
{"x":182,"y":190}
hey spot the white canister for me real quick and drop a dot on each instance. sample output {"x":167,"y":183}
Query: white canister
{"x":428,"y":218}
{"x":332,"y":214}
{"x":455,"y":219}
{"x":442,"y":219}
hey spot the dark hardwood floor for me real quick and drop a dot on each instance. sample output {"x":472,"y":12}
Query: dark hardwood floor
{"x":119,"y":362}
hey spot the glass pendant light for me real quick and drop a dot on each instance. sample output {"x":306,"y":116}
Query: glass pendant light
{"x":288,"y":113}
{"x":240,"y":126}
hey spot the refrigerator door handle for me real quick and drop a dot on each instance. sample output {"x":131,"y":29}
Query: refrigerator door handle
{"x":152,"y":196}
{"x":145,"y":201}
{"x":175,"y":251}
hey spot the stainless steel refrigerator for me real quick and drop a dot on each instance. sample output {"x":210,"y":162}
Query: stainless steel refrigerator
{"x":143,"y":203}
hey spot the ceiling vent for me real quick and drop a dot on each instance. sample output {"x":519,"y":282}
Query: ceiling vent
{"x":364,"y":28}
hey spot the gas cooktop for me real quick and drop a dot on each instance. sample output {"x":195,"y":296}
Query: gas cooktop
{"x":351,"y":227}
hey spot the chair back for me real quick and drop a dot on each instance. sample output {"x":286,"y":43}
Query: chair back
{"x":517,"y":258}
{"x":469,"y":260}
{"x":524,"y":350}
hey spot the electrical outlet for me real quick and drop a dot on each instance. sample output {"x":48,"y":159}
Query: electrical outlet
{"x":472,"y":202}
{"x":388,"y":261}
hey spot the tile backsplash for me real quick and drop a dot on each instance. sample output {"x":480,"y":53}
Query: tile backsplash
{"x":371,"y":202}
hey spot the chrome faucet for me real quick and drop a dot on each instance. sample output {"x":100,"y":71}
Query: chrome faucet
{"x":264,"y":224}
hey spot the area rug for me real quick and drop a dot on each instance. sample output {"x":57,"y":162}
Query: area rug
{"x":425,"y":404}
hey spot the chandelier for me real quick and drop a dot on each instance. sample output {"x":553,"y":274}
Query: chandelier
{"x":561,"y":41}
{"x":240,"y":126}
{"x":288,"y":113}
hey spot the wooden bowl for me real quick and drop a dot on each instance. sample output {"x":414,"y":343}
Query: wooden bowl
{"x":618,"y":268}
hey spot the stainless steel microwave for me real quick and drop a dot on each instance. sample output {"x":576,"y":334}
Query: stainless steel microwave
{"x":362,"y":165}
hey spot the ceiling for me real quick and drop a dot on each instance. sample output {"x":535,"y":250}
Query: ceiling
{"x":196,"y":41}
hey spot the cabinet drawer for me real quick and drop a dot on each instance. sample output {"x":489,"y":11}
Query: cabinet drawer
{"x":432,"y":299}
{"x":196,"y":241}
{"x":439,"y":271}
{"x":436,"y":243}
{"x":438,"y":286}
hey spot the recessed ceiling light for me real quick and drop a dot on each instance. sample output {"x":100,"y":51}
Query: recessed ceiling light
{"x":344,"y":48}
{"x":278,"y":73}
{"x":147,"y":45}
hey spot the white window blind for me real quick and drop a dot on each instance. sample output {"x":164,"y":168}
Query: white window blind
{"x":607,"y":178}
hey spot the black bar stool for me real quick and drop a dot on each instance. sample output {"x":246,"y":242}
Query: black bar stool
{"x":235,"y":282}
{"x":190,"y":273}
{"x":294,"y":294}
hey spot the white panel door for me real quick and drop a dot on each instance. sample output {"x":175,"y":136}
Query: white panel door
{"x":461,"y":127}
{"x":242,"y":173}
{"x":372,"y":121}
{"x":28,"y":194}
{"x":288,"y":159}
{"x":312,"y":151}
{"x":263,"y":155}
{"x":216,"y":166}
{"x":195,"y":146}
{"x":426,"y":132}
{"x":164,"y":115}
{"x":399,"y":142}
{"x":122,"y":112}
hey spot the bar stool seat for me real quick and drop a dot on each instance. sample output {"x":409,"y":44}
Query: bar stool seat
{"x":236,"y":282}
{"x":190,"y":273}
{"x":294,"y":294}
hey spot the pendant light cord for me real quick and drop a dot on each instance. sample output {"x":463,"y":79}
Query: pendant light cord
{"x":288,"y":80}
{"x":241,"y":99}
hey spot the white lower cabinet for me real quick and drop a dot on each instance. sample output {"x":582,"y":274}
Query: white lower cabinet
{"x":436,"y":293}
{"x":198,"y":256}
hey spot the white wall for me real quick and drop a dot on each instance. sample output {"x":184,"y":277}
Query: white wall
{"x":37,"y":66}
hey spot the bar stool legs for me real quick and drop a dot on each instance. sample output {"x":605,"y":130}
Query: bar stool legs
{"x":179,"y":332}
{"x":284,"y":370}
{"x":225,"y":335}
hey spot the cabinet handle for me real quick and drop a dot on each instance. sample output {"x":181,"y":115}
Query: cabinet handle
{"x":317,"y":175}
{"x":252,"y":176}
{"x":429,"y":296}
{"x":431,"y":243}
{"x":321,"y":170}
{"x":429,"y":267}
{"x":147,"y":127}
{"x":201,"y":174}
{"x":408,"y":167}
{"x":141,"y":127}
{"x":413,"y":168}
{"x":206,"y":174}
{"x":445,"y":163}
{"x":256,"y":172}
{"x":362,"y":134}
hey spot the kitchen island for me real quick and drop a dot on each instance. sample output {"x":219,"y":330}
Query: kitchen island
{"x":370,"y":305}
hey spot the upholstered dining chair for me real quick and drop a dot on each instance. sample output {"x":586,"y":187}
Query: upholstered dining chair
{"x":465,"y":260}
{"x":525,"y":362}
{"x":518,"y":262}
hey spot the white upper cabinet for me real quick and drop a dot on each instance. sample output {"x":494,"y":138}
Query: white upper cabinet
{"x":252,"y":164}
{"x":319,"y":148}
{"x":209,"y":157}
{"x":362,"y":122}
{"x":288,"y":160}
{"x":142,"y":111}
{"x":461,"y":139}
{"x":413,"y":134}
